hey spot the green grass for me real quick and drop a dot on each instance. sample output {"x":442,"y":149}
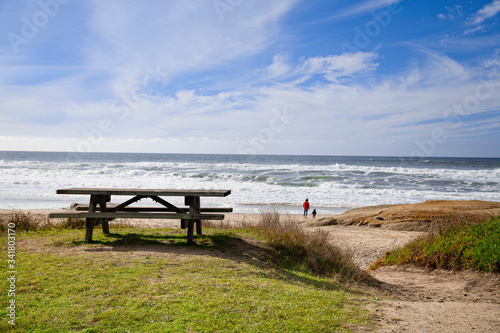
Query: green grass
{"x":149,"y":280}
{"x":473,"y":246}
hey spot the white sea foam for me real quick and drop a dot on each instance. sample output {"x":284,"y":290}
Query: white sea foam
{"x":326,"y":185}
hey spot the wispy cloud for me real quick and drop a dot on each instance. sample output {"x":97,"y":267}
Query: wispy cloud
{"x":333,"y":68}
{"x":279,"y":66}
{"x":363,"y":8}
{"x":341,"y":66}
{"x":485,"y":13}
{"x":452,"y":13}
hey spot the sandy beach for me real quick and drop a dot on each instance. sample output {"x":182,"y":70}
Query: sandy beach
{"x":412,"y":299}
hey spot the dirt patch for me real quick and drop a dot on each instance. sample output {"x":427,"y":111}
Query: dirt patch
{"x":413,"y":217}
{"x":409,"y":283}
{"x":438,"y":301}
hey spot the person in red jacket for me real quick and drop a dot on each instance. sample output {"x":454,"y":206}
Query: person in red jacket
{"x":306,"y":207}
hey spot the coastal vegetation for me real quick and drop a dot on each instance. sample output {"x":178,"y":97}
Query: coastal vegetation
{"x":138,"y":279}
{"x":456,"y":245}
{"x":25,"y":222}
{"x":301,"y":250}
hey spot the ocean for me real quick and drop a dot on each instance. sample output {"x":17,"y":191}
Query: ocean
{"x":333,"y":184}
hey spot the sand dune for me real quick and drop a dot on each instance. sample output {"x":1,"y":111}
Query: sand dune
{"x":412,"y":217}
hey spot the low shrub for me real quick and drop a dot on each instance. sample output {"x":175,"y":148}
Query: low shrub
{"x":464,"y":245}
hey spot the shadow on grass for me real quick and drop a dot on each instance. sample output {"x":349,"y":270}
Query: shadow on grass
{"x":172,"y":238}
{"x":221,"y":245}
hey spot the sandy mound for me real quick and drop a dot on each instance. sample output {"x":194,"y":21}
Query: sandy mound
{"x":413,"y":217}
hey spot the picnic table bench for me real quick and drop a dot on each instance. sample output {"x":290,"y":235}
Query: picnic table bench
{"x":99,"y":212}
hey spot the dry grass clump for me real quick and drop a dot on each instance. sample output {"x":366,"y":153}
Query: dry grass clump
{"x":21,"y":221}
{"x":300,"y":249}
{"x":227,"y":225}
{"x":309,"y":250}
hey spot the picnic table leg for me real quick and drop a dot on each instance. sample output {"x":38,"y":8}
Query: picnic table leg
{"x":102,"y":204}
{"x":105,"y":227}
{"x":188,"y":200}
{"x":194,"y":208}
{"x":190,"y":233}
{"x":89,"y":222}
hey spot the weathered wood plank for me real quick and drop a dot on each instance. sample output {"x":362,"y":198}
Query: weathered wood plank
{"x":146,"y":192}
{"x":133,"y":215}
{"x":85,"y":208}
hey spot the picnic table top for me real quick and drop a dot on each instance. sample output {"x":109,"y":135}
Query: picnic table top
{"x":145,"y":192}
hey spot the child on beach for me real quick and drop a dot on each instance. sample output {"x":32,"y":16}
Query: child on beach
{"x":314,"y":213}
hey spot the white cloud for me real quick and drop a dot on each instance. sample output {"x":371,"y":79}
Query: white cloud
{"x":341,"y":66}
{"x":493,"y":62}
{"x":279,"y":66}
{"x":332,"y":67}
{"x":485,"y":13}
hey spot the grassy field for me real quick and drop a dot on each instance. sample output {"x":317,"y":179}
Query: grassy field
{"x":462,"y":245}
{"x":149,"y":280}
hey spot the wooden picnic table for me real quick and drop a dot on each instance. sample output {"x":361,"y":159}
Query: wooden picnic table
{"x":100,"y":212}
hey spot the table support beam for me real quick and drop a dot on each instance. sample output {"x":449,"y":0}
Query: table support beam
{"x":128,"y":202}
{"x":167,"y":204}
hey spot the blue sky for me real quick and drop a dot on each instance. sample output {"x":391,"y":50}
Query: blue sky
{"x":370,"y":77}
